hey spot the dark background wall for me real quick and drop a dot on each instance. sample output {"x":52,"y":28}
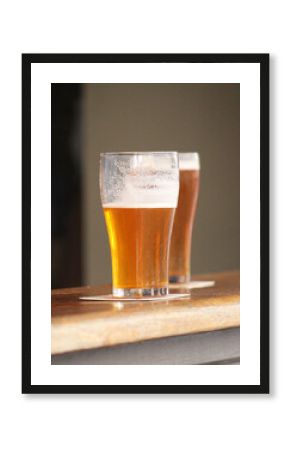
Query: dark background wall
{"x":66,"y":211}
{"x":147,"y":117}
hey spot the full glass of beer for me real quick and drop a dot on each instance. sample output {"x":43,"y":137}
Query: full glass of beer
{"x":180,"y":248}
{"x":139,"y":193}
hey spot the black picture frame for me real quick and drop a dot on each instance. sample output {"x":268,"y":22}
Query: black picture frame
{"x":263,"y":60}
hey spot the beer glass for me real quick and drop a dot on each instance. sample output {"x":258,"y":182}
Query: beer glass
{"x":139,"y":193}
{"x":180,"y":248}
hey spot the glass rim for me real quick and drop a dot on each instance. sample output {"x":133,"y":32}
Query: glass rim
{"x":189,"y":161}
{"x":165,"y":152}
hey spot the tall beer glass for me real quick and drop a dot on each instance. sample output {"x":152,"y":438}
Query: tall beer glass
{"x":139,"y":193}
{"x":180,"y":249}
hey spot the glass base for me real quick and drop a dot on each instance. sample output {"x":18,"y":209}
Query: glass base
{"x":179,"y":279}
{"x":139,"y":292}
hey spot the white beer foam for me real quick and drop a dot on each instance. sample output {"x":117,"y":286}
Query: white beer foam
{"x":140,"y":205}
{"x":146,"y":188}
{"x":144,"y":181}
{"x":189,"y":161}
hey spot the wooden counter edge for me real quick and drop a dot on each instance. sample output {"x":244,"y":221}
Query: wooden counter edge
{"x":94,"y":332}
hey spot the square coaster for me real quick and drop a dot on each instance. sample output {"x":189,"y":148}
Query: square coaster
{"x":112,"y":299}
{"x":192,"y":285}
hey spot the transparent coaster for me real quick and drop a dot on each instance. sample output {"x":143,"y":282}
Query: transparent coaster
{"x":192,"y":285}
{"x":110,"y":298}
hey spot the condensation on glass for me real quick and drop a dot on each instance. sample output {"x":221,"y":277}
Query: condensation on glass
{"x":139,"y":193}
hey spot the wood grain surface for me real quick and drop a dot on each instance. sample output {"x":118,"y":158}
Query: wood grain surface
{"x":84,"y":324}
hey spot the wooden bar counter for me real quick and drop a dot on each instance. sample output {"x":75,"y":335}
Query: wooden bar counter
{"x":201,"y":329}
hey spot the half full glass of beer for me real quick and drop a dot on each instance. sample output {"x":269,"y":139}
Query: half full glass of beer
{"x":180,"y":249}
{"x":139,"y":193}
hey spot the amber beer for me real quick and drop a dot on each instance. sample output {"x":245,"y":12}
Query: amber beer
{"x":139,"y":241}
{"x":180,"y":249}
{"x":139,"y":195}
